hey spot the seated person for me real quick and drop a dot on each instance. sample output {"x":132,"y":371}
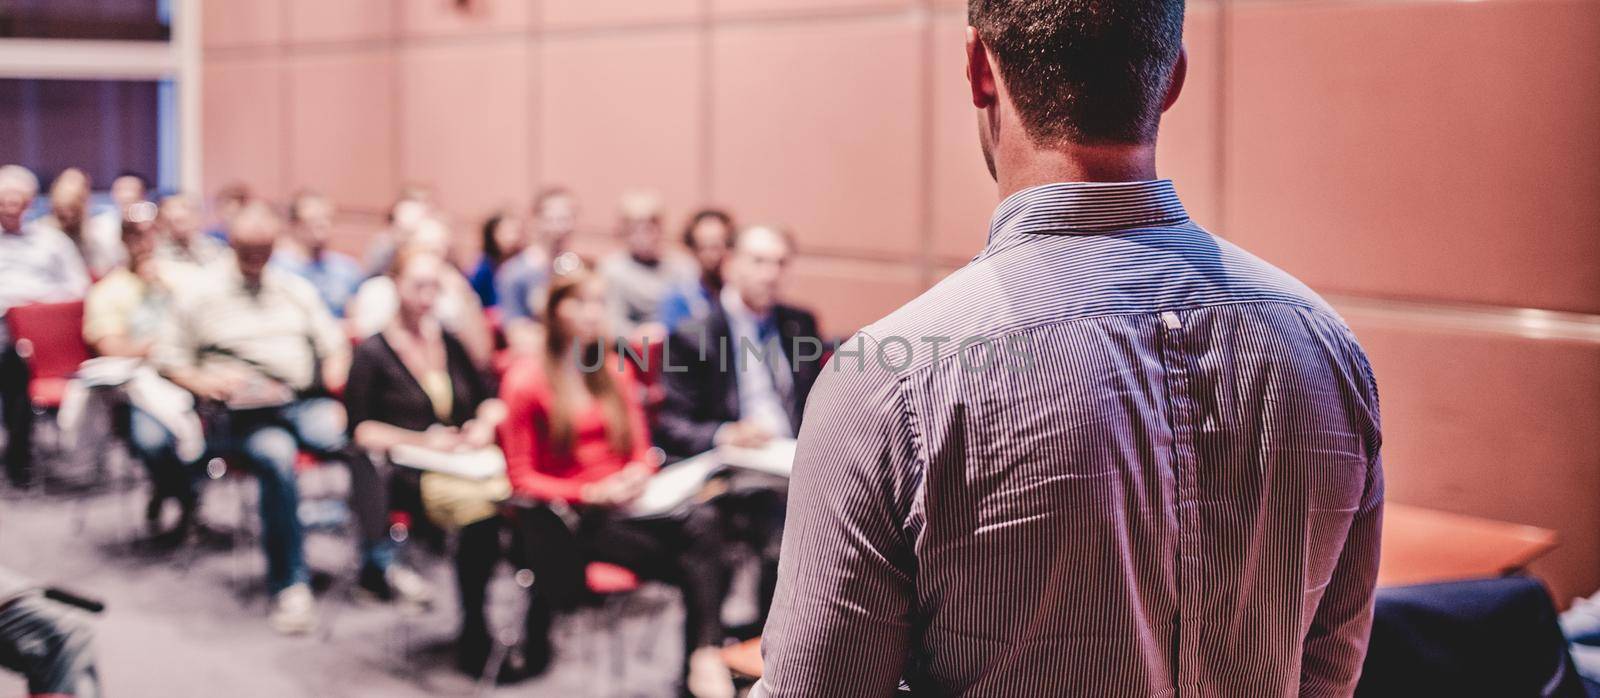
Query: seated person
{"x":227,"y":203}
{"x":576,"y":444}
{"x":504,"y":237}
{"x":48,"y":642}
{"x":122,"y":317}
{"x":37,"y":265}
{"x":748,"y":366}
{"x":376,"y":301}
{"x":260,"y":348}
{"x":707,"y":236}
{"x":304,"y":252}
{"x":98,"y":244}
{"x":640,"y":275}
{"x":520,"y":282}
{"x":183,"y":249}
{"x":414,"y":383}
{"x":411,"y":208}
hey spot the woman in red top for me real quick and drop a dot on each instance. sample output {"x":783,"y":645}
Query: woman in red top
{"x":576,"y":444}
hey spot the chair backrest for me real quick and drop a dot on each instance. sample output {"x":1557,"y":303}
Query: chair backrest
{"x":54,"y":335}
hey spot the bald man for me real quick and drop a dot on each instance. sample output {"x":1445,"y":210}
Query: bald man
{"x":99,"y":238}
{"x":261,"y":344}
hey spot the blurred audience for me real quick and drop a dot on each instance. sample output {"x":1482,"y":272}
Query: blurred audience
{"x":410,"y":209}
{"x":183,"y":251}
{"x":98,"y":239}
{"x":520,"y":282}
{"x":243,"y":322}
{"x":708,"y":236}
{"x":377,"y":300}
{"x":414,"y":383}
{"x":48,"y":642}
{"x":228,"y":202}
{"x":38,"y":264}
{"x":577,"y":446}
{"x":748,"y":366}
{"x":640,"y":275}
{"x":262,"y":353}
{"x":504,"y":237}
{"x":123,"y":316}
{"x":304,"y":252}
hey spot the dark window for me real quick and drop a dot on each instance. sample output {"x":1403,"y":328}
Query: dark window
{"x":145,"y":20}
{"x":100,"y":126}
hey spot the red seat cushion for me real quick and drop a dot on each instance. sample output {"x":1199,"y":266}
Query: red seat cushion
{"x":55,"y":330}
{"x":47,"y":392}
{"x":606,"y":578}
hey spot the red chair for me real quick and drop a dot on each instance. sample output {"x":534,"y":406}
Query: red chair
{"x":49,"y":337}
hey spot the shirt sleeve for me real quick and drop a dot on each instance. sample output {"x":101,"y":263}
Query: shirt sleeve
{"x":638,"y":424}
{"x":358,"y":388}
{"x":325,"y":332}
{"x":841,"y":615}
{"x":512,"y":285}
{"x":1336,"y":643}
{"x":75,"y":273}
{"x":105,"y":311}
{"x":524,"y":441}
{"x":175,"y":346}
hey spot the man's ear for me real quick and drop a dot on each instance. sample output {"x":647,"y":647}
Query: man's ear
{"x":1180,"y":72}
{"x":980,"y":74}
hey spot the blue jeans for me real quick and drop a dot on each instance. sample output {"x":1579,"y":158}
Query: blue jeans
{"x":268,"y":442}
{"x":158,"y":450}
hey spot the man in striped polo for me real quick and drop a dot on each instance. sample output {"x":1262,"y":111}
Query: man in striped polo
{"x":1114,"y":455}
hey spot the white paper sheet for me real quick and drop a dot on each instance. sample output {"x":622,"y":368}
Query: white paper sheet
{"x":480,"y":464}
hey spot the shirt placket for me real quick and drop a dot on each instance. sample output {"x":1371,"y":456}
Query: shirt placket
{"x":1186,"y":501}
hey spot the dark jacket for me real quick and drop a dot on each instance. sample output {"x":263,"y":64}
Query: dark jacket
{"x":700,"y":384}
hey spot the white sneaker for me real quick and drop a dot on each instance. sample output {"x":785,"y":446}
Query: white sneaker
{"x":408,"y":586}
{"x":294,"y":611}
{"x":709,"y":676}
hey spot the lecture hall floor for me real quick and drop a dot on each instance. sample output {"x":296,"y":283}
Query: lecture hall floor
{"x":179,"y":634}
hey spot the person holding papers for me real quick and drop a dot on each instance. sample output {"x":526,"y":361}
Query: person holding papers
{"x":577,"y":447}
{"x":415,"y":384}
{"x":740,"y":376}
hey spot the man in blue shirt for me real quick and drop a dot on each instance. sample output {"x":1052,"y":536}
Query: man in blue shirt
{"x":304,"y":252}
{"x":709,"y":236}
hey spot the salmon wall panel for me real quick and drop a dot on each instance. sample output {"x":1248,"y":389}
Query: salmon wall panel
{"x":623,"y":112}
{"x":468,"y":138}
{"x":242,"y":116}
{"x":1189,"y":146}
{"x":738,"y":8}
{"x":430,"y":18}
{"x":963,"y":192}
{"x":848,"y":294}
{"x":1431,"y":150}
{"x":342,"y":126}
{"x":837,"y":160}
{"x":234,"y":23}
{"x":1495,"y":426}
{"x":563,"y":14}
{"x":340,"y":20}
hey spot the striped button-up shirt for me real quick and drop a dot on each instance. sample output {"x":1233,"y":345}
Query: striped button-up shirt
{"x":1114,"y":455}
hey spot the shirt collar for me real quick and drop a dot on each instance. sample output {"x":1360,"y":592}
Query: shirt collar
{"x":733,"y":305}
{"x":1086,"y":208}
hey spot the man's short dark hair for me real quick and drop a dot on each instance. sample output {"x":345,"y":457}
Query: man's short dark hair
{"x":703,"y":215}
{"x":1084,"y":71}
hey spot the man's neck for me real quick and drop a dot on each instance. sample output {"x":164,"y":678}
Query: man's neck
{"x":734,"y":302}
{"x":1076,"y":163}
